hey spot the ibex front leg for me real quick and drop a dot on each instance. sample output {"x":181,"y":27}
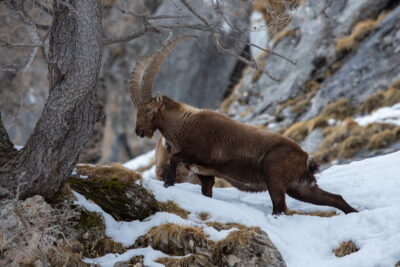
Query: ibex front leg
{"x":170,"y":178}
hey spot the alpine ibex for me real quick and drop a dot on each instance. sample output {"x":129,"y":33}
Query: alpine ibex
{"x":211,"y":144}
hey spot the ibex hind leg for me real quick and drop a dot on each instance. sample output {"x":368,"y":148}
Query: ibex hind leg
{"x":311,"y":193}
{"x":277,"y":194}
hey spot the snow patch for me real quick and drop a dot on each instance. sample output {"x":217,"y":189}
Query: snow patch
{"x":150,"y":255}
{"x":383,"y":115}
{"x":371,"y":186}
{"x":258,"y":34}
{"x":140,"y":161}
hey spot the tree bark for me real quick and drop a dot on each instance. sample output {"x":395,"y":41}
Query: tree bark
{"x":70,"y":111}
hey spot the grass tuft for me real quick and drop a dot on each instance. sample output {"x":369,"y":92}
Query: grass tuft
{"x":174,"y":208}
{"x":114,"y":171}
{"x":359,"y":32}
{"x":345,"y":248}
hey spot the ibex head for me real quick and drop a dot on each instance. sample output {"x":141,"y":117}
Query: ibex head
{"x":141,"y":85}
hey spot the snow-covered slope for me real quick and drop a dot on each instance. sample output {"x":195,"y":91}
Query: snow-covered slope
{"x":372,"y":186}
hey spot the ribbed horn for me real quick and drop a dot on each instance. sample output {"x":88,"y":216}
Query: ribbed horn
{"x":155,"y":63}
{"x":135,"y":79}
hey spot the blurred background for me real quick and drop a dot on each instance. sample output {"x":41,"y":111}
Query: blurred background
{"x":327,"y":76}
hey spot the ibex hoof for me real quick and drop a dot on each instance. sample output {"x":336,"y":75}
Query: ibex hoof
{"x":168,"y":184}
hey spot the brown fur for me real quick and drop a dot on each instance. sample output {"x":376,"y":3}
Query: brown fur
{"x":251,"y":159}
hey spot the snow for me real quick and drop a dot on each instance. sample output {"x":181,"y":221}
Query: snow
{"x":140,"y":161}
{"x":383,"y":115}
{"x":258,"y":34}
{"x":371,"y":186}
{"x":18,"y":147}
{"x":150,"y":255}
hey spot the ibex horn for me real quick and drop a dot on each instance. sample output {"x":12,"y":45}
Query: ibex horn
{"x":155,"y":63}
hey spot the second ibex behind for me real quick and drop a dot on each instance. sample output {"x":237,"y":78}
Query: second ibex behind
{"x":211,"y":144}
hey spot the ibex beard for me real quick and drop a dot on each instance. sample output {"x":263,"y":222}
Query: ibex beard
{"x":211,"y":144}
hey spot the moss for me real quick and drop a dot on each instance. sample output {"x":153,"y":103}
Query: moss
{"x":345,"y":248}
{"x":174,"y":208}
{"x":121,"y":199}
{"x":88,"y":220}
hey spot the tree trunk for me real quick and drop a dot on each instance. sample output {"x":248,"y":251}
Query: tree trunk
{"x":71,"y":110}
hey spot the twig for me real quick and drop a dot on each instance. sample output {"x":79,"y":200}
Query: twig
{"x":45,"y":8}
{"x":125,"y":38}
{"x":194,"y":12}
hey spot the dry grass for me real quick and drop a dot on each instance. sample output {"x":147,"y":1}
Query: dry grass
{"x":340,"y":109}
{"x":359,"y":32}
{"x":384,"y":139}
{"x":225,"y":226}
{"x":299,"y":130}
{"x":202,"y":215}
{"x":115,"y":171}
{"x":174,"y":208}
{"x":276,"y":13}
{"x":187,"y":261}
{"x":324,"y":214}
{"x":286,"y":32}
{"x":345,"y":248}
{"x":174,"y":239}
{"x":385,"y":98}
{"x":167,"y":231}
{"x":345,"y":140}
{"x":299,"y":104}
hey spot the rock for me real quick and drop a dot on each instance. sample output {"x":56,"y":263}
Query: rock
{"x":309,"y":40}
{"x":35,"y":234}
{"x":244,"y":247}
{"x":247,"y":248}
{"x":124,"y":201}
{"x":373,"y":67}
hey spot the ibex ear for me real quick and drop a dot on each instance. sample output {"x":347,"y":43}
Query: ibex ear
{"x":159,"y":98}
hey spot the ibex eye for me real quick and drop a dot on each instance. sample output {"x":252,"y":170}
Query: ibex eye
{"x":147,"y":110}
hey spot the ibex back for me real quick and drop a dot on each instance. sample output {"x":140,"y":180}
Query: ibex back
{"x":211,"y":144}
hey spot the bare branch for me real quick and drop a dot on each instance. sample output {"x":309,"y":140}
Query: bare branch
{"x":125,"y":38}
{"x":151,"y":17}
{"x":17,"y":11}
{"x":45,"y":8}
{"x":8,"y":44}
{"x":194,"y":12}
